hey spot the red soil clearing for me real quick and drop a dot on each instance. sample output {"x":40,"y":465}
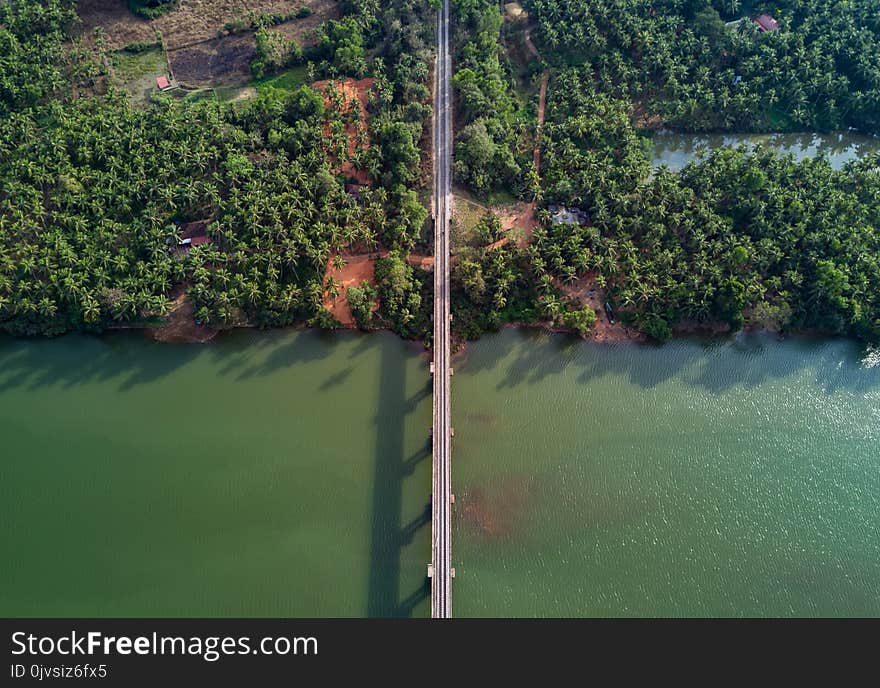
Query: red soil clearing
{"x":353,"y":92}
{"x":423,"y":262}
{"x":521,"y":217}
{"x":357,"y":270}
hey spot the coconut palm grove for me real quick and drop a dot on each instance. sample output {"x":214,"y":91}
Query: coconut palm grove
{"x":97,"y":190}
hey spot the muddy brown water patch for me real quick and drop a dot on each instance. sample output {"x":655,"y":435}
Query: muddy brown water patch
{"x":500,"y":512}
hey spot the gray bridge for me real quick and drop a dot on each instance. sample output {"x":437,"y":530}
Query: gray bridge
{"x":440,"y":569}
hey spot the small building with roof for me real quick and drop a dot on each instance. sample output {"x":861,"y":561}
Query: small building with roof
{"x":193,"y":234}
{"x":189,"y":230}
{"x":766,"y":23}
{"x":560,"y":215}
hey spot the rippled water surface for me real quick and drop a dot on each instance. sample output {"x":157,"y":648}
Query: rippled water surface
{"x":288,"y":474}
{"x":737,"y":478}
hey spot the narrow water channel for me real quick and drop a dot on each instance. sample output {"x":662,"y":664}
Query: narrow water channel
{"x":677,"y":150}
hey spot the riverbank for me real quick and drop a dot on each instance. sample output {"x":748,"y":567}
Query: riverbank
{"x":602,"y":333}
{"x":180,"y":326}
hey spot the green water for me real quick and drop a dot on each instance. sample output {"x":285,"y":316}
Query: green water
{"x":287,"y":474}
{"x":677,"y":150}
{"x":278,"y":474}
{"x":737,"y":478}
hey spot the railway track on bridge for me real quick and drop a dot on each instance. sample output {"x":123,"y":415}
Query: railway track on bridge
{"x":441,"y":570}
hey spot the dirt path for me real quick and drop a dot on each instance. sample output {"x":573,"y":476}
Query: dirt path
{"x":542,"y":97}
{"x":527,"y":39}
{"x":542,"y":107}
{"x":422,"y":262}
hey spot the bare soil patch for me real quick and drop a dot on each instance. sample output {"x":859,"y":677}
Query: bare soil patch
{"x":243,"y":94}
{"x":196,"y":21}
{"x":425,"y":263}
{"x":303,"y":30}
{"x":357,"y":270}
{"x":503,"y":241}
{"x":120,"y":26}
{"x":585,"y":290}
{"x":221,"y":61}
{"x":180,"y":326}
{"x":354,"y":93}
{"x":518,"y":220}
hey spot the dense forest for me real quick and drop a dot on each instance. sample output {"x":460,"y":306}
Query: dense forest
{"x":681,"y":60}
{"x":490,"y":126}
{"x":740,"y":238}
{"x":94,"y":192}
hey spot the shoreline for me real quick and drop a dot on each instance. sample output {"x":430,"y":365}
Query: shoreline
{"x":181,"y":329}
{"x":718,"y":332}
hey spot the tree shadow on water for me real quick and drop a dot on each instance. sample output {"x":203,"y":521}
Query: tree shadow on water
{"x":716,"y":364}
{"x":389,"y":533}
{"x":78,"y":359}
{"x":286,"y":348}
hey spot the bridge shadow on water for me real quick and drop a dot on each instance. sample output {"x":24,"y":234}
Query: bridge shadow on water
{"x":391,"y":594}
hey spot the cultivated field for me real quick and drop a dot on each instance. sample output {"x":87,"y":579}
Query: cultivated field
{"x":217,"y":62}
{"x":192,"y":33}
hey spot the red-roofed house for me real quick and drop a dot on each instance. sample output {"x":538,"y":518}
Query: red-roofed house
{"x":162,"y":83}
{"x":199,"y":240}
{"x":194,"y":229}
{"x":767,"y":23}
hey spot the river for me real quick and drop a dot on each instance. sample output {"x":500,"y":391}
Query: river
{"x":265,"y":474}
{"x":677,"y":150}
{"x":287,"y":474}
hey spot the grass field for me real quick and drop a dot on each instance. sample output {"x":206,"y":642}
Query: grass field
{"x":465,"y":216}
{"x":289,"y":80}
{"x":136,"y":72}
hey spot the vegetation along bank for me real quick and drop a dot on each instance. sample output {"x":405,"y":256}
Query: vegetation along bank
{"x":242,"y":202}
